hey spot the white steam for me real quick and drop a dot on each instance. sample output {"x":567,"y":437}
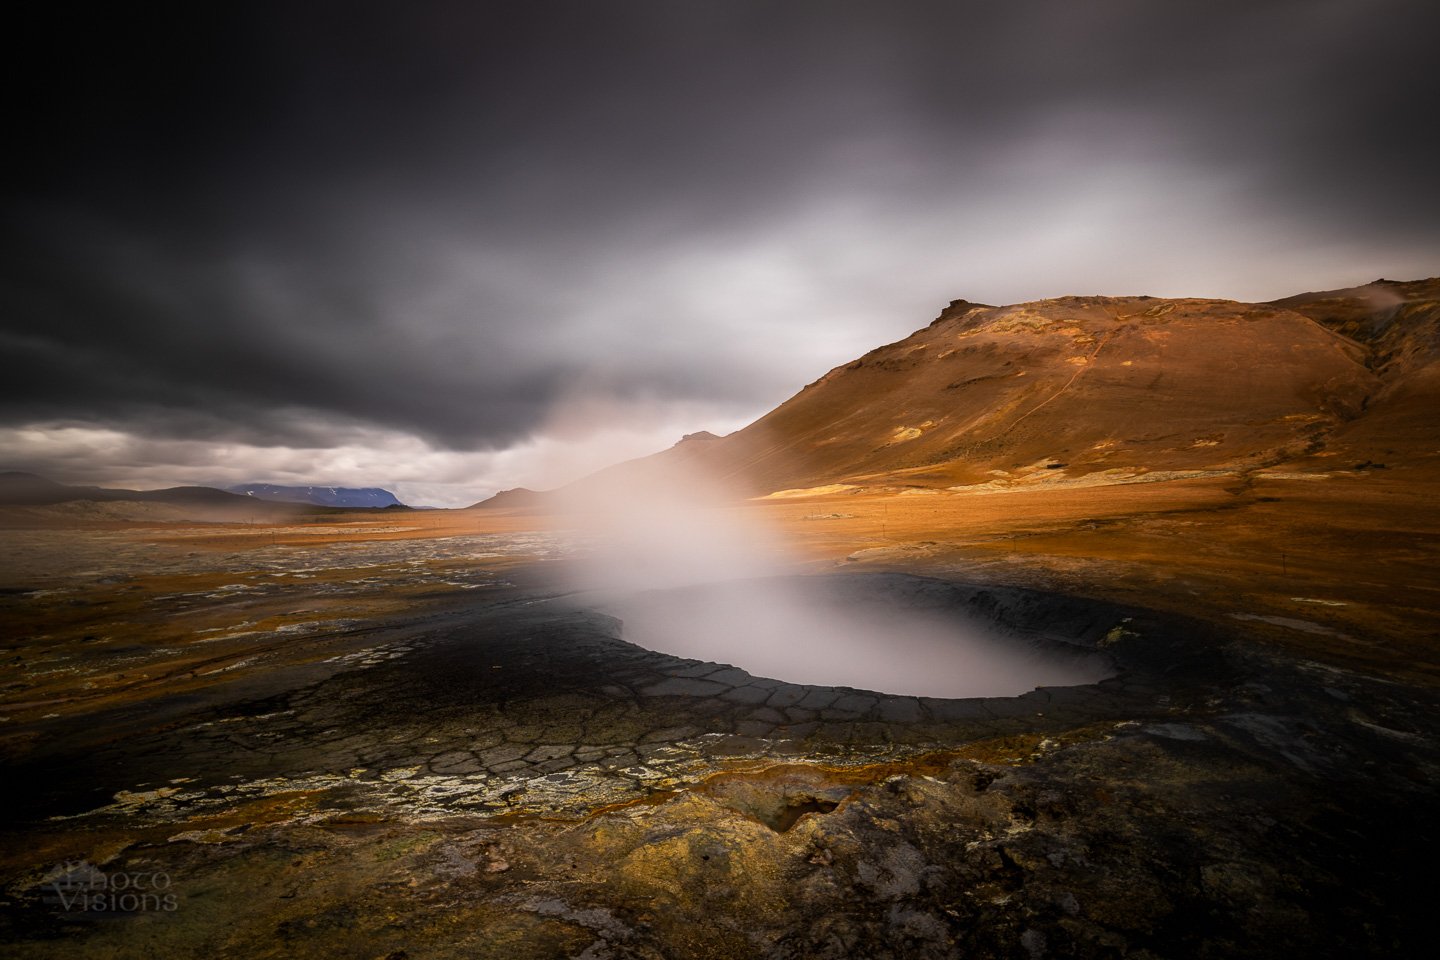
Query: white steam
{"x":808,"y":632}
{"x":695,"y":574}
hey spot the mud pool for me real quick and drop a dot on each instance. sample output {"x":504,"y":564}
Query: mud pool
{"x":896,"y":635}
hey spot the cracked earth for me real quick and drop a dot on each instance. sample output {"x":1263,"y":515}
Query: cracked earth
{"x":420,"y":747}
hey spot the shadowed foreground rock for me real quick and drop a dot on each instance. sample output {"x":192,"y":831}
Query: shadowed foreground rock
{"x":514,"y":780}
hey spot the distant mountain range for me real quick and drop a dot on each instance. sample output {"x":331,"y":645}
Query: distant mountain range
{"x":1094,"y":390}
{"x":32,"y":490}
{"x":353,"y":497}
{"x":28,"y":489}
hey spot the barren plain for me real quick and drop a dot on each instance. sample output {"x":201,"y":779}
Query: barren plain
{"x":405,"y":733}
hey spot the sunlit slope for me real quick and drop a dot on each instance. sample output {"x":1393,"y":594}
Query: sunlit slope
{"x":1090,"y":383}
{"x":1082,"y":390}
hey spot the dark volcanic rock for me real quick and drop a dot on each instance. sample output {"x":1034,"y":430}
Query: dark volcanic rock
{"x":517,"y":781}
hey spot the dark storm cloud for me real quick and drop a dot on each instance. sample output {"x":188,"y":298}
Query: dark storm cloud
{"x":274,"y":223}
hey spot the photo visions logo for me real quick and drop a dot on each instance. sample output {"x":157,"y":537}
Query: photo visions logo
{"x":82,"y":890}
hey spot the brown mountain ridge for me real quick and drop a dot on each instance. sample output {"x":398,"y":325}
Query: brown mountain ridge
{"x":1101,"y":390}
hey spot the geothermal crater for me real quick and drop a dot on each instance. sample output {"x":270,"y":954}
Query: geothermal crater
{"x":893,"y":634}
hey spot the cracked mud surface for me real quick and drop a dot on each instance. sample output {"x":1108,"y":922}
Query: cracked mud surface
{"x":489,"y":769}
{"x":539,"y":698}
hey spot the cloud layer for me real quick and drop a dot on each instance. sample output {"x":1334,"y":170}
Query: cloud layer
{"x":425,"y":232}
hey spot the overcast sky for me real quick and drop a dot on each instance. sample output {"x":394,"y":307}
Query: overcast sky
{"x":453,"y":247}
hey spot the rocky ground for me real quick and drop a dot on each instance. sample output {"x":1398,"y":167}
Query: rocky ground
{"x":455,"y":759}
